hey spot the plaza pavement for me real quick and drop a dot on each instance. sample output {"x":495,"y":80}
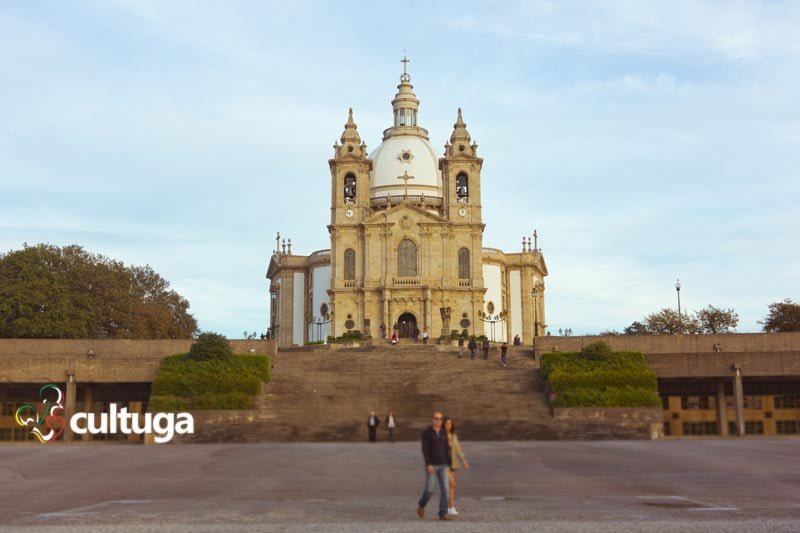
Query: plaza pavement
{"x":672,"y":485}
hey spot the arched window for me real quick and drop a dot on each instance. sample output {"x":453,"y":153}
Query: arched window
{"x":349,"y":264}
{"x":407,"y":258}
{"x":463,"y":264}
{"x":349,"y":187}
{"x":462,"y":186}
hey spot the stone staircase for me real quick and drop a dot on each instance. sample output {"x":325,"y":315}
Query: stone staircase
{"x":319,"y":394}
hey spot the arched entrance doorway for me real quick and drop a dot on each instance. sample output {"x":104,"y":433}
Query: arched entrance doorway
{"x":406,"y":325}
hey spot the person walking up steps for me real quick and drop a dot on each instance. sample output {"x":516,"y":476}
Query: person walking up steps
{"x":503,"y":353}
{"x":460,"y":346}
{"x":472,"y":347}
{"x":434,"y":451}
{"x":485,"y":348}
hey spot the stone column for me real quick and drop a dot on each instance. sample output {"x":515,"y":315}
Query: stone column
{"x":70,"y":398}
{"x":722,"y":408}
{"x":135,"y":407}
{"x":738,"y":398}
{"x":88,"y":404}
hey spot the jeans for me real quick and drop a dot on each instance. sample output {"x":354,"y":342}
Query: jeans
{"x":440,"y":474}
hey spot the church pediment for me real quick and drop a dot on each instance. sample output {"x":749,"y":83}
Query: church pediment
{"x":403,"y":214}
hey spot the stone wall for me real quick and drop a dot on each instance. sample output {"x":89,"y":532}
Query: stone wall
{"x":219,"y":426}
{"x":659,"y":344}
{"x":597,"y":423}
{"x":111,"y":360}
{"x":696,"y":356}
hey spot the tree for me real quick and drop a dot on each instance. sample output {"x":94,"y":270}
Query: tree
{"x":210,"y":346}
{"x":668,"y":321}
{"x":52,"y":292}
{"x":782,"y":317}
{"x":715,"y":320}
{"x":637,"y":328}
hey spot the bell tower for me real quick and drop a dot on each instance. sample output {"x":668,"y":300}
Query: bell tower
{"x":461,"y":176}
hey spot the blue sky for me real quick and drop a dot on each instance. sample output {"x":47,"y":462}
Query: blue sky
{"x":645,"y":141}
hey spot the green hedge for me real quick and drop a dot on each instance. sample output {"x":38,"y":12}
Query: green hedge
{"x":608,"y":397}
{"x":598,"y":377}
{"x":561,"y":379}
{"x":229,"y":383}
{"x":577,"y":362}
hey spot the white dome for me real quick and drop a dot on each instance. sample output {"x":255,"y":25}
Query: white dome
{"x":399,"y":154}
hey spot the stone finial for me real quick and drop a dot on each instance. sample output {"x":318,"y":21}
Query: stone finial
{"x":460,"y":141}
{"x":351,"y":143}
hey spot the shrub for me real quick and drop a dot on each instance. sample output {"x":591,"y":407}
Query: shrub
{"x":454,"y":335}
{"x":597,"y":351}
{"x":465,"y":333}
{"x":598,"y":377}
{"x":228,"y":383}
{"x":642,"y":378}
{"x":609,"y":397}
{"x":209,"y":346}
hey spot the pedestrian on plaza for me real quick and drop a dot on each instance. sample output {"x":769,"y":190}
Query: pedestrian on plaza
{"x":434,"y":451}
{"x":455,"y":458}
{"x":424,"y":336}
{"x":485,"y":348}
{"x":503,"y":353}
{"x":473,"y":345}
{"x":372,"y":426}
{"x":517,"y":340}
{"x":391,"y":424}
{"x":394,"y":338}
{"x":460,"y":346}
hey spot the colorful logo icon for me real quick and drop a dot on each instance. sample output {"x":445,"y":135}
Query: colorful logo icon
{"x":50,"y":424}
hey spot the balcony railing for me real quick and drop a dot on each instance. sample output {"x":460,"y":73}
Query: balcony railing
{"x":418,"y":199}
{"x":465,"y":283}
{"x":349,"y":284}
{"x":406,"y":282}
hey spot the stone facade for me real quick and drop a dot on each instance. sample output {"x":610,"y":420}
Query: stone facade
{"x":407,"y":251}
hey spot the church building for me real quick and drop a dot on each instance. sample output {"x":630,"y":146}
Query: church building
{"x":406,"y":252}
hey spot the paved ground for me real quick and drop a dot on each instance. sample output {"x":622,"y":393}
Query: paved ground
{"x":673,"y":485}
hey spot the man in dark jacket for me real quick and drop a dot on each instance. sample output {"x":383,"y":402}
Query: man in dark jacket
{"x":486,"y":348}
{"x":434,"y":450}
{"x":372,"y":426}
{"x":473,"y":345}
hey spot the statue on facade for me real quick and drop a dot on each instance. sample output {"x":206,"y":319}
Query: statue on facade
{"x":445,"y":312}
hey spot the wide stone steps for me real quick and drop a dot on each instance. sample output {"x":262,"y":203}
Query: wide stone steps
{"x":323,"y":394}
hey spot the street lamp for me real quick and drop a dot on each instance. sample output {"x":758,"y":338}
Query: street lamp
{"x":489,"y":319}
{"x":678,"y":291}
{"x":535,"y":312}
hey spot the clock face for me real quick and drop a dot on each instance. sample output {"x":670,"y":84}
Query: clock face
{"x":348,"y":213}
{"x":462,"y":211}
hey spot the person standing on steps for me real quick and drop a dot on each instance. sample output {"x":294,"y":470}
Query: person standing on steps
{"x":434,"y":451}
{"x":517,"y":340}
{"x":503,"y":353}
{"x":460,"y":346}
{"x":455,"y":458}
{"x":372,"y":426}
{"x":394,"y":338}
{"x":424,"y":336}
{"x":473,"y":345}
{"x":485,"y":348}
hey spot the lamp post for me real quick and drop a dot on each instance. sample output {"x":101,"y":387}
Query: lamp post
{"x":318,"y":322}
{"x":489,"y":319}
{"x":535,"y":292}
{"x":678,"y":292}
